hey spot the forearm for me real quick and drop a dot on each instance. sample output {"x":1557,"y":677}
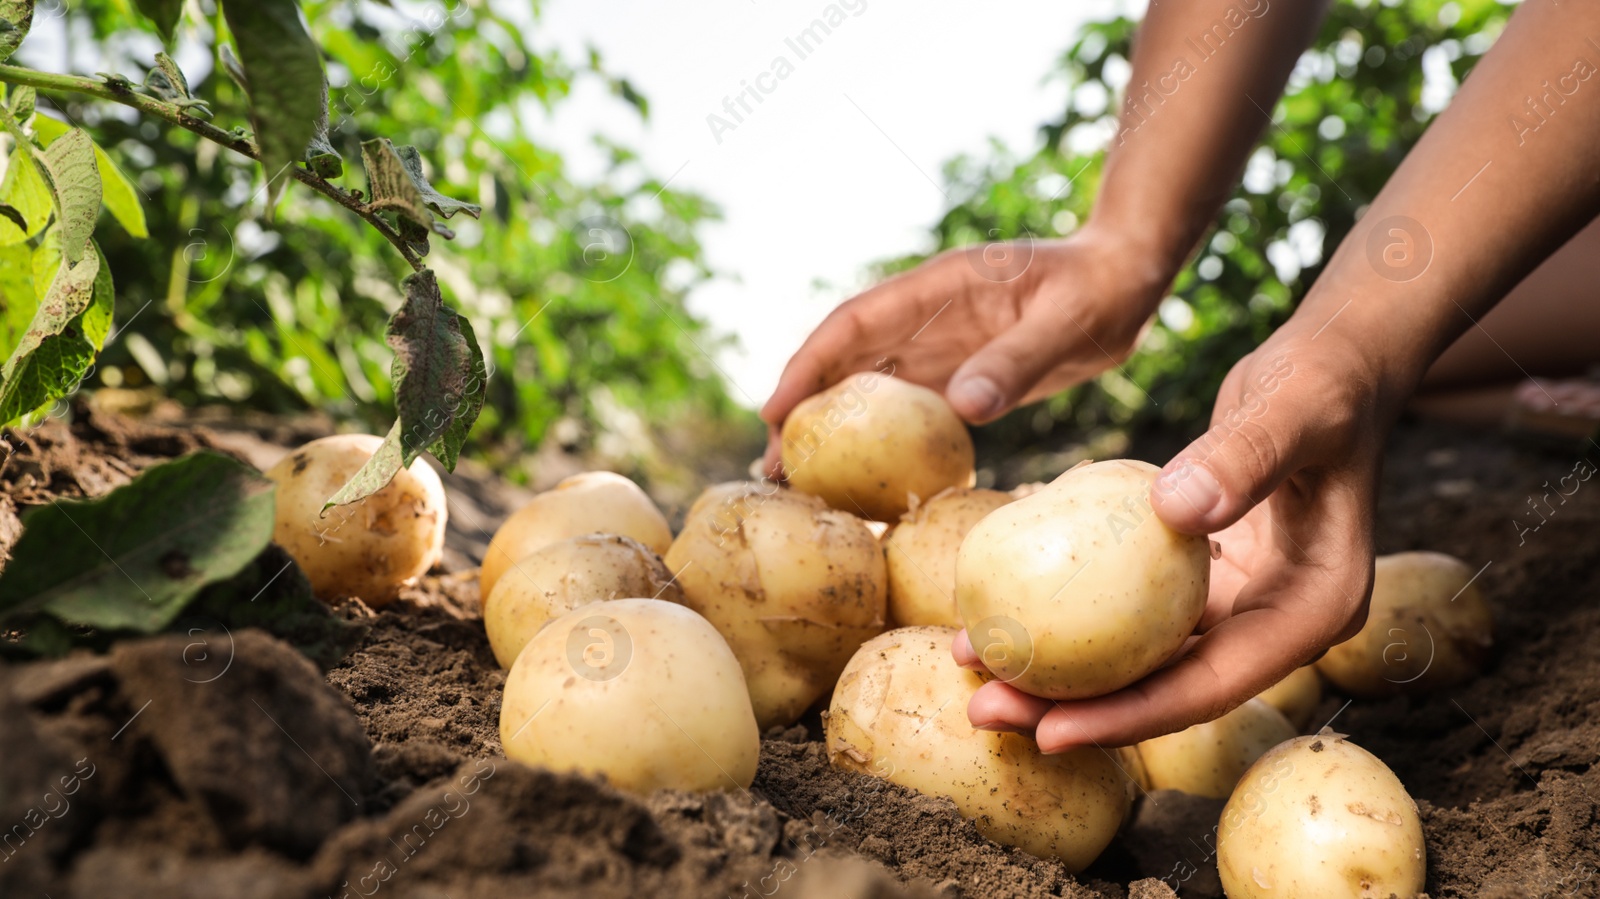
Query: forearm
{"x":1507,"y":174}
{"x":1206,"y":74}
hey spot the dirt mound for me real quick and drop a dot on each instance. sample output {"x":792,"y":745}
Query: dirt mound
{"x":193,"y":765}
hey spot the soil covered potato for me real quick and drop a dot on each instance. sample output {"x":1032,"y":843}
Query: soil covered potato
{"x":921,"y":555}
{"x":564,"y":576}
{"x":369,"y":548}
{"x":793,"y":585}
{"x":900,"y":713}
{"x":1296,"y":696}
{"x":1320,"y":816}
{"x":1208,"y":759}
{"x":642,"y":692}
{"x":595,"y":502}
{"x":1428,"y":627}
{"x":1079,"y":589}
{"x":872,"y":442}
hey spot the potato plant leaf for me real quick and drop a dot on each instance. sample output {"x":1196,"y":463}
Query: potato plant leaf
{"x":164,"y":13}
{"x":67,"y":329}
{"x":16,"y":17}
{"x":21,"y":103}
{"x":13,"y":215}
{"x":74,"y":178}
{"x":17,"y":299}
{"x":24,"y":189}
{"x":166,"y":80}
{"x":283,"y":72}
{"x":116,"y":191}
{"x":390,"y":186}
{"x":443,"y":206}
{"x":433,"y":367}
{"x":447,"y":449}
{"x":132,"y":559}
{"x":320,"y":156}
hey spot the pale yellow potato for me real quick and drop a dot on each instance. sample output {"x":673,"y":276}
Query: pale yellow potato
{"x":1428,"y":627}
{"x":900,"y":713}
{"x":871,"y":443}
{"x":642,"y":692}
{"x":793,"y":585}
{"x":1079,"y":589}
{"x":370,"y":548}
{"x":921,"y":553}
{"x":564,"y":576}
{"x":1296,"y":696}
{"x":1208,"y":759}
{"x":1320,"y":816}
{"x":595,"y":502}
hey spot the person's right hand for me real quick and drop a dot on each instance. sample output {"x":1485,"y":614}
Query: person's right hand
{"x":991,"y":326}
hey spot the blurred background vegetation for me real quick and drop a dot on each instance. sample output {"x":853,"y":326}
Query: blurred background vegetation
{"x":577,"y":289}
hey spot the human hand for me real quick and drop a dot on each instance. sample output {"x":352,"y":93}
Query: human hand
{"x":991,"y":326}
{"x":1299,"y":424}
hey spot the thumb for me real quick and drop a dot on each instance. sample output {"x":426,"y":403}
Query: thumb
{"x":1232,"y":468}
{"x":997,"y":377}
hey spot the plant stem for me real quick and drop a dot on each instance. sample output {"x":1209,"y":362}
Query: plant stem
{"x":175,"y":115}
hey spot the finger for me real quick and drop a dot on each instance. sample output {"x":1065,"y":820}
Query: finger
{"x":1286,"y":618}
{"x":1000,"y":374}
{"x":1000,"y":707}
{"x":966,"y":656}
{"x":772,"y":459}
{"x":816,"y":365}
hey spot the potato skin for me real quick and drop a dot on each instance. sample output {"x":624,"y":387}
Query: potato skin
{"x":872,"y":441}
{"x":1320,"y":816}
{"x":1208,"y":759}
{"x":900,"y":713}
{"x":595,"y":502}
{"x":793,"y":585}
{"x":1079,"y":589}
{"x":643,"y":692}
{"x":565,"y":575}
{"x":1428,"y":627}
{"x":921,"y":555}
{"x":369,"y":548}
{"x":1296,"y":696}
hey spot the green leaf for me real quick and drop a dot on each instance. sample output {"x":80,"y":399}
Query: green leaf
{"x":135,"y":557}
{"x":283,"y":72}
{"x":21,"y":102}
{"x":390,"y":186}
{"x":68,"y":327}
{"x":74,"y":179}
{"x":447,"y":449}
{"x":17,"y":299}
{"x":321,"y":157}
{"x":166,"y":80}
{"x":11,"y":214}
{"x":230,"y":64}
{"x":444,"y":206}
{"x":24,"y":190}
{"x":164,"y":13}
{"x":119,"y":196}
{"x":433,"y":364}
{"x":16,"y":17}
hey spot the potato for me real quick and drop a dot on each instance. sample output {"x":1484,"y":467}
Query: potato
{"x":1428,"y":627}
{"x":900,"y":713}
{"x":564,"y":576}
{"x":1209,"y":758}
{"x":643,"y":692}
{"x":595,"y":502}
{"x":921,"y":554}
{"x":1296,"y":696}
{"x":872,"y":442}
{"x":1320,"y":816}
{"x":369,"y":548}
{"x":793,"y":585}
{"x":1079,"y":589}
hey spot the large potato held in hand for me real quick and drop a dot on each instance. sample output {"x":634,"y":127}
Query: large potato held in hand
{"x":565,"y":575}
{"x":1209,"y":758}
{"x":793,"y":585}
{"x":1428,"y":627}
{"x":900,"y":713}
{"x":870,"y":443}
{"x":921,"y":555}
{"x":370,"y":548}
{"x":595,"y":502}
{"x":1079,"y":589}
{"x":1320,"y":816}
{"x":643,"y":692}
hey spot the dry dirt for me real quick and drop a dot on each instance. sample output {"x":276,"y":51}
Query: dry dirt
{"x":205,"y":763}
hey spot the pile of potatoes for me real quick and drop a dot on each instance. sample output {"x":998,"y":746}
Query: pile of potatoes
{"x":656,"y":661}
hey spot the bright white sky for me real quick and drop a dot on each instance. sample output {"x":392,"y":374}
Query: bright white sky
{"x":812,"y":187}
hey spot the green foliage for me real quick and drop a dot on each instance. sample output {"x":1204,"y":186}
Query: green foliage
{"x":1354,"y":108}
{"x":283,"y":76}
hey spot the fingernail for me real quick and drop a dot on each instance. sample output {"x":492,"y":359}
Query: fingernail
{"x":976,"y":397}
{"x":998,"y":728}
{"x":1193,"y":484}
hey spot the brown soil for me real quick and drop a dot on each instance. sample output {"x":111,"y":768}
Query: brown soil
{"x":228,"y":765}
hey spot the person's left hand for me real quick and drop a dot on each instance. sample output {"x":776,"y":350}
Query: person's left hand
{"x":1299,"y":424}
